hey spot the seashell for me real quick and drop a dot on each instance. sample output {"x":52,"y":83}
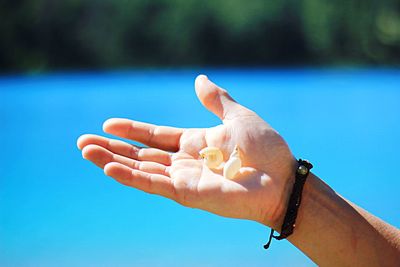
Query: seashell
{"x":212,"y":157}
{"x":233,"y":165}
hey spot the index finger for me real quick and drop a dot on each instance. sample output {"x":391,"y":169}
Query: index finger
{"x":162,"y":137}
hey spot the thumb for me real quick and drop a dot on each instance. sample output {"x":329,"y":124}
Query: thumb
{"x":216,"y":99}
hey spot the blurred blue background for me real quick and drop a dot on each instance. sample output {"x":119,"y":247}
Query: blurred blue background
{"x":325,"y":74}
{"x":59,"y":210}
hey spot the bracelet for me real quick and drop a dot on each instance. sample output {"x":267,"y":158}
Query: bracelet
{"x":289,"y":223}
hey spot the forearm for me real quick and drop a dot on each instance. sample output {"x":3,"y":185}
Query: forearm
{"x":334,"y":232}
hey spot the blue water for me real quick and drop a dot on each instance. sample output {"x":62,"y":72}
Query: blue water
{"x":58,"y":210}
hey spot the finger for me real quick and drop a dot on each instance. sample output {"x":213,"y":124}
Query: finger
{"x":148,"y":182}
{"x":101,"y":157}
{"x":217,"y":100}
{"x":162,"y":137}
{"x":125,"y":149}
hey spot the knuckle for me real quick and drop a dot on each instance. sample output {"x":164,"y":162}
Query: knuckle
{"x":134,"y":152}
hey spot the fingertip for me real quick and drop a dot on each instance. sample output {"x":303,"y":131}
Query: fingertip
{"x":107,"y":168}
{"x":200,"y":78}
{"x":111,"y":169}
{"x":113,"y":125}
{"x":88,"y":151}
{"x":201,"y":83}
{"x":107,"y":124}
{"x":80,"y":142}
{"x":208,"y":94}
{"x":86,"y":139}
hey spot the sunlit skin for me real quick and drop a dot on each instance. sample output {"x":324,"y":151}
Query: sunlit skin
{"x":330,"y":230}
{"x":173,"y":168}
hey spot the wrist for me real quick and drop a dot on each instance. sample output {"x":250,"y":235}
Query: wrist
{"x":274,"y":218}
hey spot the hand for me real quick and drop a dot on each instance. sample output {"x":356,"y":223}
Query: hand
{"x":171,"y":165}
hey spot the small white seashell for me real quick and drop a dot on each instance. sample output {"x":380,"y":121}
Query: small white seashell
{"x":212,"y":157}
{"x":233,"y":165}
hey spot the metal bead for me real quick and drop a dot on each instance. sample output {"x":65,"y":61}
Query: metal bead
{"x":302,"y":170}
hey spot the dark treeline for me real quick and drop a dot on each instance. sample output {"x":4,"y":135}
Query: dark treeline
{"x":47,"y":34}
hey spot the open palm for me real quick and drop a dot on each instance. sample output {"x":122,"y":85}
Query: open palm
{"x":171,"y":165}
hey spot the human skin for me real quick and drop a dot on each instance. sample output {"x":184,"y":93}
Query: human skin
{"x":329,"y":229}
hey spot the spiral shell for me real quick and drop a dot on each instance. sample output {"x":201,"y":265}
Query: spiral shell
{"x":233,"y":165}
{"x":212,"y":157}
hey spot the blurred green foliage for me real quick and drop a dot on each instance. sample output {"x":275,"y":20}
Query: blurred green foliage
{"x":49,"y":34}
